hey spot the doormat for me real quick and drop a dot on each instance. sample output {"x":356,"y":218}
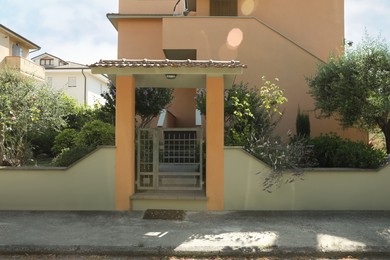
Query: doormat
{"x":165,"y":214}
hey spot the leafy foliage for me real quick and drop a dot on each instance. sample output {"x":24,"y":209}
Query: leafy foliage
{"x":108,"y":109}
{"x":282,"y":158}
{"x":66,"y":139}
{"x":333,"y":151}
{"x":96,"y":133}
{"x":69,"y":156}
{"x":42,"y":143}
{"x":250,"y":113}
{"x":148,"y":102}
{"x":71,"y":145}
{"x":355,"y":87}
{"x":25,"y":107}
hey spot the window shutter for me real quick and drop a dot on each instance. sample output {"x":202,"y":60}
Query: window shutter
{"x":223,"y":8}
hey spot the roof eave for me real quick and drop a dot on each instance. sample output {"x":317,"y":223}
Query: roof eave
{"x":30,"y":44}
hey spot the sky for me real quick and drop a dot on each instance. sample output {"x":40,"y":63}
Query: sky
{"x":79,"y":31}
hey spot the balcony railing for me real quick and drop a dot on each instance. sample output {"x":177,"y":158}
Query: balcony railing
{"x":25,"y":66}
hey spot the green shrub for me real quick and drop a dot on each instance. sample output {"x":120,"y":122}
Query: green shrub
{"x":302,"y":124}
{"x":42,"y":142}
{"x":250,"y":114}
{"x":71,"y":145}
{"x":333,"y":151}
{"x":96,"y":133}
{"x":71,"y":155}
{"x":65,"y":139}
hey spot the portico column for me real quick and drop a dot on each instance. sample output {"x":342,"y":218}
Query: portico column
{"x":215,"y":143}
{"x":125,"y":143}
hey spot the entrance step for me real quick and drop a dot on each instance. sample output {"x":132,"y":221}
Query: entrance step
{"x":178,"y":200}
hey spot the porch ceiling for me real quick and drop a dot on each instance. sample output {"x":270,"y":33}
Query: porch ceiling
{"x":183,"y":73}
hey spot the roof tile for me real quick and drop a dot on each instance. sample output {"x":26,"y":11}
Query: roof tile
{"x":122,"y":63}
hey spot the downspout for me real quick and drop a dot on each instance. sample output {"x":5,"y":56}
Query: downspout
{"x":85,"y":87}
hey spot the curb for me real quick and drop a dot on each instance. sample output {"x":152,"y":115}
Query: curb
{"x":160,"y":251}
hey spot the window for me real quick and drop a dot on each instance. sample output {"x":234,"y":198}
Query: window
{"x":17,"y":50}
{"x":223,"y":7}
{"x":46,"y":62}
{"x":71,"y":82}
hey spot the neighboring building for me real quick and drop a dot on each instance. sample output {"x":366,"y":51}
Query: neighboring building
{"x":283,"y":39}
{"x":74,"y":79}
{"x":14,"y":53}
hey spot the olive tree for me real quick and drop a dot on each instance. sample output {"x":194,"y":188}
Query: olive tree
{"x":355,"y":87}
{"x":26,"y":106}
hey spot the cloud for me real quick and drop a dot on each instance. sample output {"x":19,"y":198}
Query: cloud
{"x":70,"y":29}
{"x":371,"y":16}
{"x":79,"y":30}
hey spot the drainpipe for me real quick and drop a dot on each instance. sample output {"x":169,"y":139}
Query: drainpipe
{"x":85,"y":87}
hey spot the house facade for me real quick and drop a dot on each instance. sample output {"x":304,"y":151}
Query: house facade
{"x":212,"y":44}
{"x":284,"y":39}
{"x":14,"y":53}
{"x":74,"y":79}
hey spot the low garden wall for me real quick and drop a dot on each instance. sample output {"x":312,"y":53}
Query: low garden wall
{"x":87,"y":185}
{"x":321,"y":189}
{"x":90,"y":185}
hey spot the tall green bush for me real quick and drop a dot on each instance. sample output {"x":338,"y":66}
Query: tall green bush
{"x":26,"y":106}
{"x":302,"y":124}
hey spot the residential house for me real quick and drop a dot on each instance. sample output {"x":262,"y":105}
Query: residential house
{"x":191,"y":44}
{"x":14,"y":53}
{"x":74,"y":79}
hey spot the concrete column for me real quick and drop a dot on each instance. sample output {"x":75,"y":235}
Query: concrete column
{"x":215,"y":143}
{"x":125,"y":143}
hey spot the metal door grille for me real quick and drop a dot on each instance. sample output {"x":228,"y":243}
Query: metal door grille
{"x":170,"y":159}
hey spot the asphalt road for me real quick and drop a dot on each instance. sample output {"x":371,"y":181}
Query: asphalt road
{"x":204,"y":235}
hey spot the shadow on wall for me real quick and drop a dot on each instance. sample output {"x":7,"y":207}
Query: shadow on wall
{"x":321,"y":189}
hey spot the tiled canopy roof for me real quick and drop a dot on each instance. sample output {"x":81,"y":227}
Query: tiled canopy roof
{"x":123,"y":63}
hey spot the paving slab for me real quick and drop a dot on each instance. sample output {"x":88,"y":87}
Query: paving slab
{"x":223,"y":233}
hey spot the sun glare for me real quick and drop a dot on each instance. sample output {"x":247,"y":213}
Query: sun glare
{"x":235,"y":37}
{"x":247,"y":7}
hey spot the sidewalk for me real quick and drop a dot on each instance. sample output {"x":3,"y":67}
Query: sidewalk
{"x":227,"y":233}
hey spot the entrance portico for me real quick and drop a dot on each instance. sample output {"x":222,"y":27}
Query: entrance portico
{"x":215,"y":76}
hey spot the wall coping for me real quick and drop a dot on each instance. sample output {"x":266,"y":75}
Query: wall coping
{"x":51,"y":168}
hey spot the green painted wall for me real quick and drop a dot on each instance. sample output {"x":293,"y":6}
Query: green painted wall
{"x":87,"y":185}
{"x":322,"y":189}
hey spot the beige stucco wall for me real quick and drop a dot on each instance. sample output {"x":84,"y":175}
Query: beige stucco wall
{"x":4,"y":46}
{"x":266,"y":52}
{"x":146,"y":6}
{"x":281,"y":39}
{"x":317,"y":26}
{"x":320,"y":189}
{"x":140,"y":38}
{"x":87,"y":185}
